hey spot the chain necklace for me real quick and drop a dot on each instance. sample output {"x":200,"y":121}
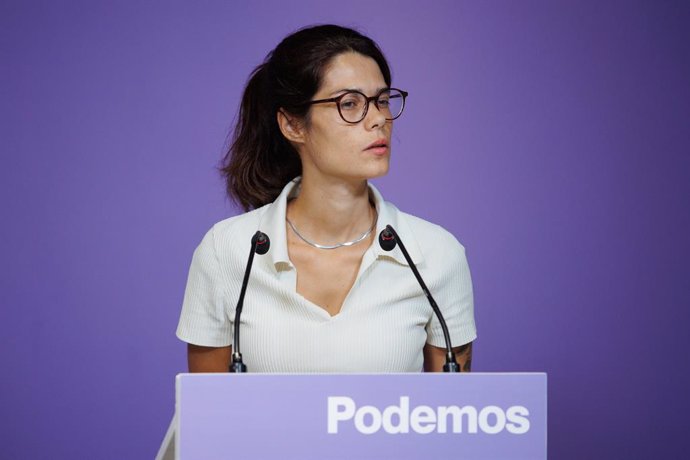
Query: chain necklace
{"x":339,"y":245}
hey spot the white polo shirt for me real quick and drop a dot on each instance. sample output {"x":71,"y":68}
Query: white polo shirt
{"x":382,"y":325}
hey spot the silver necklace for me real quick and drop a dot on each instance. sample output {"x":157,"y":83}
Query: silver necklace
{"x":339,"y":245}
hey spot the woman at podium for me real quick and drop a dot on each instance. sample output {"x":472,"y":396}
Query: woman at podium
{"x":314,"y":126}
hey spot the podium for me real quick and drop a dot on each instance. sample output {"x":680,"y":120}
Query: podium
{"x":359,"y":416}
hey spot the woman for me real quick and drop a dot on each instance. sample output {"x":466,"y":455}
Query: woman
{"x":314,"y":126}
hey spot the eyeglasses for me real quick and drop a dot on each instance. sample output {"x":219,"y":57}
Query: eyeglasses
{"x":354,"y":105}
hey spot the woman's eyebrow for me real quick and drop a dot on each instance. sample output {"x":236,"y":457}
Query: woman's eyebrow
{"x":344,"y":90}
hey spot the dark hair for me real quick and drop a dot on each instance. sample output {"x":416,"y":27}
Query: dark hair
{"x":260,"y":160}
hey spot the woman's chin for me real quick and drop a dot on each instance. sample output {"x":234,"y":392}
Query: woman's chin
{"x":377,"y":168}
{"x":381,"y":170}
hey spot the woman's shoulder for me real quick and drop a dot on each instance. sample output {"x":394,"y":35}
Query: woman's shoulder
{"x":443,"y":259}
{"x":247,"y":221}
{"x":437,"y":246}
{"x":233,"y":231}
{"x":428,"y":233}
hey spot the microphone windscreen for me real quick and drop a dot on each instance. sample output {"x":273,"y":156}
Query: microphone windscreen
{"x":387,"y":240}
{"x":263,"y":244}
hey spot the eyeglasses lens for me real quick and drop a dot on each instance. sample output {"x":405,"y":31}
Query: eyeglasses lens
{"x":353,"y":106}
{"x":391,"y":104}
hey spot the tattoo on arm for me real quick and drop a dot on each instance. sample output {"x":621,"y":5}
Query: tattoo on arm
{"x":463,"y":355}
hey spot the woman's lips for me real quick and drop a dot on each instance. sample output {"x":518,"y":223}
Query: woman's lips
{"x":378,"y":150}
{"x":379,"y":147}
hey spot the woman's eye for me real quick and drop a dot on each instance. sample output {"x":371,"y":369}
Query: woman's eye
{"x":383,"y":102}
{"x":348,"y":104}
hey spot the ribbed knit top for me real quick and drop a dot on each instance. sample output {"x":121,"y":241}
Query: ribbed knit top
{"x":382,"y":325}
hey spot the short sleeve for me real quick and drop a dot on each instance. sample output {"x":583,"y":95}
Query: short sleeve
{"x":203,"y":320}
{"x":455,"y":299}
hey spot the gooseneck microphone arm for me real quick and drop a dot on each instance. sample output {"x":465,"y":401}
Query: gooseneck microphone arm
{"x":388,"y":239}
{"x":260,"y":244}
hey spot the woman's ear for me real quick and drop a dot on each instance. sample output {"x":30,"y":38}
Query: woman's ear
{"x":291,"y":127}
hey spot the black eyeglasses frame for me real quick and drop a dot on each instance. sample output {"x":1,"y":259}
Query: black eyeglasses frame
{"x":368,"y":100}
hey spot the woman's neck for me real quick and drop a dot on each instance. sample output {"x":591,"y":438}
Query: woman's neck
{"x":330,"y":212}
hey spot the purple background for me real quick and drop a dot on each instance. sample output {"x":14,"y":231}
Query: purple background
{"x":550,"y":137}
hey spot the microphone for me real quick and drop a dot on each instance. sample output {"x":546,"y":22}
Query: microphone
{"x":388,"y":239}
{"x":260,"y":245}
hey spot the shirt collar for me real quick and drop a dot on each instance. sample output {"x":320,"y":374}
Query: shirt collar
{"x":273,"y":224}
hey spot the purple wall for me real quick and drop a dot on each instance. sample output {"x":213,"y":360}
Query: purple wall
{"x":550,"y":137}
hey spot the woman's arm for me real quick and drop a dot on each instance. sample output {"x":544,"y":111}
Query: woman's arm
{"x":435,"y":357}
{"x":208,"y":359}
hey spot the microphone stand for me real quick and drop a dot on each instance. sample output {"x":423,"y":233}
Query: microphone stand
{"x":260,"y":244}
{"x":388,"y":238}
